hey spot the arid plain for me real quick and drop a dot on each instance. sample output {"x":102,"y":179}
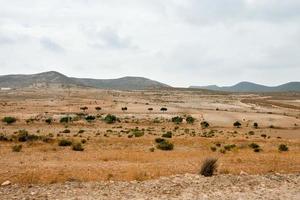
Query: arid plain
{"x":126,"y":150}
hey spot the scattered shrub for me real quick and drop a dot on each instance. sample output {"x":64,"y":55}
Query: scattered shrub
{"x":17,"y":148}
{"x":66,"y":131}
{"x":204,"y":124}
{"x":98,"y":108}
{"x":90,"y":118}
{"x":152,"y":149}
{"x":24,"y":136}
{"x":263,"y":135}
{"x":255,"y":125}
{"x":283,"y":147}
{"x":222,"y":151}
{"x":190,"y":119}
{"x":3,"y":137}
{"x":124,"y":108}
{"x":177,"y":119}
{"x":81,"y":131}
{"x":208,"y":167}
{"x":64,"y":143}
{"x":84,"y":108}
{"x":213,"y":149}
{"x":77,"y":146}
{"x":49,"y":120}
{"x":65,"y":119}
{"x":137,"y":133}
{"x":165,"y":145}
{"x":228,"y":147}
{"x":83,"y":141}
{"x":167,"y":134}
{"x":9,"y":120}
{"x":237,"y":124}
{"x":159,"y":140}
{"x":110,"y":119}
{"x":150,"y":109}
{"x":254,"y":146}
{"x":163,"y":109}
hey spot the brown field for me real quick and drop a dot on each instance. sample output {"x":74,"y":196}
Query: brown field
{"x":111,"y":154}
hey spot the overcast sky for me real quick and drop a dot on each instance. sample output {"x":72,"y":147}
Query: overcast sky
{"x":178,"y":42}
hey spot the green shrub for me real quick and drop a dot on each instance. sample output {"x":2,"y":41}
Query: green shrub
{"x":77,"y":146}
{"x":167,"y":134}
{"x":49,"y":120}
{"x":177,"y":119}
{"x":3,"y":137}
{"x":64,"y":143}
{"x":283,"y":147}
{"x":24,"y":136}
{"x":66,"y":119}
{"x":213,"y":149}
{"x":90,"y":118}
{"x":98,"y":108}
{"x":159,"y":140}
{"x":163,"y":109}
{"x":17,"y":148}
{"x":137,"y":133}
{"x":9,"y":120}
{"x":208,"y":167}
{"x":110,"y":119}
{"x":165,"y":145}
{"x":228,"y":147}
{"x":190,"y":119}
{"x":255,"y":125}
{"x":204,"y":124}
{"x":254,"y":146}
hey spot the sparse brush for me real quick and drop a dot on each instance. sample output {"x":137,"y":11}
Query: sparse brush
{"x":64,"y":143}
{"x":283,"y":147}
{"x":208,"y":167}
{"x":77,"y":146}
{"x":167,"y":134}
{"x":17,"y":148}
{"x":165,"y":145}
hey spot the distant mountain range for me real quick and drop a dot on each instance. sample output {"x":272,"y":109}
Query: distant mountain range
{"x":56,"y":79}
{"x":253,"y":87}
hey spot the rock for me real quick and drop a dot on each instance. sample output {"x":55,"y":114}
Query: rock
{"x":243,"y":173}
{"x":5,"y":183}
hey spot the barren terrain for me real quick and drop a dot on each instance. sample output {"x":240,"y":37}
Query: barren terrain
{"x":115,"y":154}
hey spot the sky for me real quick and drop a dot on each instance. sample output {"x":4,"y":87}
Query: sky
{"x":177,"y":42}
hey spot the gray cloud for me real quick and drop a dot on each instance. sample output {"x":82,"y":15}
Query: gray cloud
{"x":180,"y":42}
{"x":50,"y":45}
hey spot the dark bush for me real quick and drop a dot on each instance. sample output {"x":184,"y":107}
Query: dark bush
{"x":3,"y":137}
{"x":150,"y":109}
{"x":9,"y":120}
{"x":254,"y":146}
{"x":204,"y":124}
{"x":64,"y":143}
{"x":84,"y":108}
{"x":110,"y":119}
{"x":163,"y":109}
{"x":137,"y":133}
{"x":66,"y":131}
{"x":24,"y":136}
{"x":255,"y":125}
{"x":165,"y":145}
{"x":90,"y":118}
{"x":228,"y":147}
{"x":237,"y":124}
{"x":124,"y":108}
{"x":213,"y":149}
{"x":167,"y":134}
{"x":98,"y":108}
{"x":208,"y":167}
{"x":65,"y":119}
{"x":17,"y":148}
{"x":159,"y":140}
{"x":190,"y":119}
{"x":49,"y":120}
{"x":283,"y":147}
{"x":77,"y":147}
{"x":177,"y":119}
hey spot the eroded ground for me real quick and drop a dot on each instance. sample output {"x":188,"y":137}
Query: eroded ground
{"x":112,"y":152}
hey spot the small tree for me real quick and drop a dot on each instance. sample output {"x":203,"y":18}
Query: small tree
{"x":237,"y":124}
{"x":9,"y":120}
{"x":190,"y":119}
{"x":177,"y":119}
{"x":124,"y":108}
{"x":204,"y":124}
{"x":255,"y":125}
{"x":283,"y":147}
{"x":110,"y":119}
{"x":163,"y":109}
{"x":150,"y":109}
{"x":49,"y":120}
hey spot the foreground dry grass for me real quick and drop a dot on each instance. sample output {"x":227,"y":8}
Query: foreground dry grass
{"x":110,"y":155}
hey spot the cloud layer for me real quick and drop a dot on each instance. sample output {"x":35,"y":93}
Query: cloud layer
{"x":179,"y":42}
